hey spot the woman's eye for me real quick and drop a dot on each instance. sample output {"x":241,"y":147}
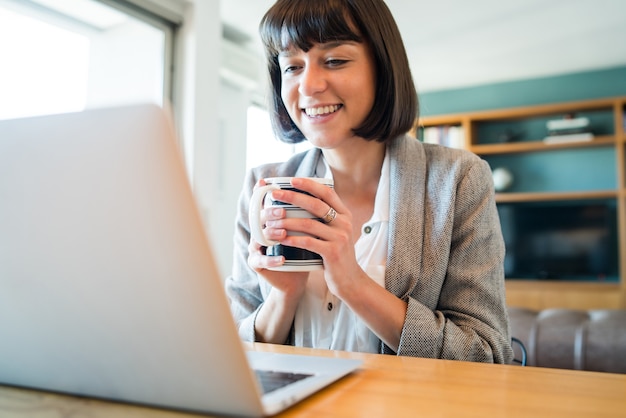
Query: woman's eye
{"x":335,"y":62}
{"x":290,"y":68}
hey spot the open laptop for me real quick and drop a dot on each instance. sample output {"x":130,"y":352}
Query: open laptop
{"x":108,"y":285}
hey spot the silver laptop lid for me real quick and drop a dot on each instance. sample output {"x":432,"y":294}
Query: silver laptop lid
{"x":107,"y":281}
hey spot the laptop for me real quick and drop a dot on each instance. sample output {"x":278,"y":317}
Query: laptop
{"x":108,"y":285}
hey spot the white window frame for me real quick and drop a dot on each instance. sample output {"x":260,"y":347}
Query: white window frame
{"x":167,"y":19}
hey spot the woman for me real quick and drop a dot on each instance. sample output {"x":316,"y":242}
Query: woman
{"x":413,"y":258}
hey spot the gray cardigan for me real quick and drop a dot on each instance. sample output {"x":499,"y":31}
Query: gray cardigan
{"x":445,"y":258}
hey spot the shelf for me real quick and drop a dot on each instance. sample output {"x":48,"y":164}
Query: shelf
{"x":547,"y":109}
{"x":542,"y":294}
{"x":551,"y":196}
{"x":534,"y":146}
{"x":559,"y":285}
{"x":567,"y":194}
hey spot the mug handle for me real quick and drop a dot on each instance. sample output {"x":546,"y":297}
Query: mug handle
{"x":256,"y":205}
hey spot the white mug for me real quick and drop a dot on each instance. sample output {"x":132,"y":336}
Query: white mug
{"x":296,"y":259}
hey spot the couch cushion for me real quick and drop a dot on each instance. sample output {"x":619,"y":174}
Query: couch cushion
{"x":603,"y":341}
{"x":572,"y":339}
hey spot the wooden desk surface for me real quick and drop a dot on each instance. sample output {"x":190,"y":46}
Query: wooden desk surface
{"x":388,"y":386}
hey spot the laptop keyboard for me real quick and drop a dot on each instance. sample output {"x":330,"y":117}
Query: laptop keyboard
{"x":271,"y":380}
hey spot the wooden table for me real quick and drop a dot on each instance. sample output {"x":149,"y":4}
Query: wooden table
{"x":388,"y":386}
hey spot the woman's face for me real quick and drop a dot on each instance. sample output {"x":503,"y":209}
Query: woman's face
{"x":329,"y":90}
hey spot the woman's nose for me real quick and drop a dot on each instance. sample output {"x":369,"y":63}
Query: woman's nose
{"x":312,"y":81}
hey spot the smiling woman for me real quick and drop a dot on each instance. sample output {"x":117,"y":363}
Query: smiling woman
{"x":67,"y":57}
{"x":409,"y":236}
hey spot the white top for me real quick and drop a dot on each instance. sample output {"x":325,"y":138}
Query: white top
{"x":322,"y":320}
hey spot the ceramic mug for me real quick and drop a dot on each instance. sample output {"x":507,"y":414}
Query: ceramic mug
{"x":296,"y":259}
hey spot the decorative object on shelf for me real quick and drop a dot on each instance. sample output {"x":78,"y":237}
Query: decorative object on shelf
{"x":502,"y":179}
{"x":568,"y":129}
{"x":508,"y":135}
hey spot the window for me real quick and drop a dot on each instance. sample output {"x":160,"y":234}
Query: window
{"x":262,"y":146}
{"x":68,"y":55}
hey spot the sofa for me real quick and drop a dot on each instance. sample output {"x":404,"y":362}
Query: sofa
{"x":593,"y":340}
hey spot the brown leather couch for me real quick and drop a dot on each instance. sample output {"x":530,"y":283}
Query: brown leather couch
{"x":592,"y":340}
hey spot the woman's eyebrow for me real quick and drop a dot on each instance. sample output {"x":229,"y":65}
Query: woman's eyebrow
{"x":335,"y":44}
{"x":289,"y":52}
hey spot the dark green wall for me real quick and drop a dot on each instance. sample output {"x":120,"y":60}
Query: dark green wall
{"x":562,"y":88}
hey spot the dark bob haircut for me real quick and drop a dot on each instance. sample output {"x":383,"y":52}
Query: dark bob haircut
{"x":303,"y":23}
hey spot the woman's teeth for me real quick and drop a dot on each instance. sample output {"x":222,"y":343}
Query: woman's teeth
{"x":319,"y":111}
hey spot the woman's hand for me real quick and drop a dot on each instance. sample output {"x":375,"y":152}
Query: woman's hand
{"x":290,"y":283}
{"x":273,"y":322}
{"x":333,"y":241}
{"x":382,"y":311}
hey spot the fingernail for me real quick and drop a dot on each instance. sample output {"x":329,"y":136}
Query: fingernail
{"x":276,"y":260}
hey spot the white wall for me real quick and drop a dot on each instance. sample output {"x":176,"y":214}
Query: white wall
{"x":211,"y":117}
{"x":231,"y":166}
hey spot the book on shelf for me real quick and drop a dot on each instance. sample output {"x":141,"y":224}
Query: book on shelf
{"x":568,"y":129}
{"x":572,"y":137}
{"x":568,"y":124}
{"x":571,"y":131}
{"x":449,"y":136}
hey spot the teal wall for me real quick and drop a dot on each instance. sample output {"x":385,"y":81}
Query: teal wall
{"x":562,"y":88}
{"x":566,"y":170}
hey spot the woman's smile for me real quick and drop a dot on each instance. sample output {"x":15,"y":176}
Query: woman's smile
{"x":313,"y":112}
{"x":328,"y":90}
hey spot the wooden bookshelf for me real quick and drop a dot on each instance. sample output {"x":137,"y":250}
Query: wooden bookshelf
{"x":603,"y":157}
{"x":539,"y":146}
